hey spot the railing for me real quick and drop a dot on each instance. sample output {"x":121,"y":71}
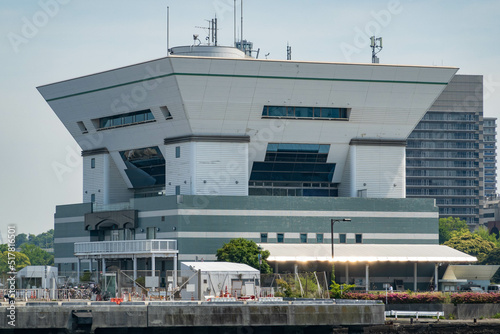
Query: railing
{"x":125,"y":247}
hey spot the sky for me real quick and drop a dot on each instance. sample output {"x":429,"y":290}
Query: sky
{"x":46,"y":41}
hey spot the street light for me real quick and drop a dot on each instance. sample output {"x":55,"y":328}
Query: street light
{"x":333,"y":222}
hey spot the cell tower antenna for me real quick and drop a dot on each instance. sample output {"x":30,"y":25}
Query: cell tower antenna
{"x":288,"y":52}
{"x":234,"y":23}
{"x":376,"y":45}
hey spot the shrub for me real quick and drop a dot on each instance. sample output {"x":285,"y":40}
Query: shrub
{"x":399,"y":297}
{"x":475,"y":298}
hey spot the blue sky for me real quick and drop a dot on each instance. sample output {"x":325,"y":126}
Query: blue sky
{"x":52,"y":40}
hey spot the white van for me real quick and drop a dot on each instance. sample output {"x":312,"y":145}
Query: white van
{"x":494,"y":288}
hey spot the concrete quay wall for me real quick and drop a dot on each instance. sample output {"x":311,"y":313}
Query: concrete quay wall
{"x":92,"y":315}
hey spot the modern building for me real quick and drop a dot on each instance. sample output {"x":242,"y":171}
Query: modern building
{"x":186,"y":152}
{"x":444,"y":153}
{"x":490,"y":157}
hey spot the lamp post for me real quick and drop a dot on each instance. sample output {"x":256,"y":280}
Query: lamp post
{"x":333,"y":221}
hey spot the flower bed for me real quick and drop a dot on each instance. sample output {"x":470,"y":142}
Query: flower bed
{"x":399,"y":297}
{"x":475,"y":298}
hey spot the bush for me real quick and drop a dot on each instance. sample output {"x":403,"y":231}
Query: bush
{"x":475,"y":298}
{"x":399,"y":297}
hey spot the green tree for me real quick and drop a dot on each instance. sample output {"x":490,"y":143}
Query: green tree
{"x":20,"y":261}
{"x":471,"y":243}
{"x":37,"y":256}
{"x":485,"y":234}
{"x":449,"y":225}
{"x":336,"y":289}
{"x":493,"y":258}
{"x":21,"y":238}
{"x":244,"y":251}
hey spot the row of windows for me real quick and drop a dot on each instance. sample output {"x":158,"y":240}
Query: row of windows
{"x":126,"y":119}
{"x":293,"y":192}
{"x":305,"y":112}
{"x":280,"y":238}
{"x":443,"y":135}
{"x":441,"y":163}
{"x":442,"y":154}
{"x":441,"y":183}
{"x":441,"y":173}
{"x":436,"y":116}
{"x":448,"y":126}
{"x":441,"y":145}
{"x":441,"y":192}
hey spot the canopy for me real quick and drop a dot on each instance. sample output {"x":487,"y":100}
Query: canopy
{"x":476,"y":272}
{"x":365,"y":253}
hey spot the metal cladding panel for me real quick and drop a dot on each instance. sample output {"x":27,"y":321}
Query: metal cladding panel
{"x":179,"y":171}
{"x":221,"y":169}
{"x":380,"y":170}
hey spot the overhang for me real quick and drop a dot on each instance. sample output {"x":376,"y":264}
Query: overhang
{"x":465,"y":272}
{"x":365,"y":253}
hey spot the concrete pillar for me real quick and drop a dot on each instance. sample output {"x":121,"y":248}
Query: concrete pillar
{"x":415,"y":276}
{"x":90,"y":267}
{"x":153,"y":260}
{"x":436,"y":283}
{"x":134,"y":261}
{"x":174,"y":282}
{"x":347,"y":273}
{"x":78,"y":271}
{"x":367,"y":276}
{"x":103,"y":266}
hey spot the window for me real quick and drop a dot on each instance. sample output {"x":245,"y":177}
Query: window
{"x":263,"y":237}
{"x":82,"y":127}
{"x":92,"y":163}
{"x":304,"y":112}
{"x":151,"y":233}
{"x":145,"y":166}
{"x":359,"y":238}
{"x":281,"y":237}
{"x":177,"y":151}
{"x":303,"y":238}
{"x":319,"y":238}
{"x":125,"y":119}
{"x":177,"y":190}
{"x":92,"y":198}
{"x":342,"y":238}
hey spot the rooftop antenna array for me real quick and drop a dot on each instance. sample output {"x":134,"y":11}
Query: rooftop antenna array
{"x":212,"y":31}
{"x":168,"y":31}
{"x":376,"y":45}
{"x":288,"y":52}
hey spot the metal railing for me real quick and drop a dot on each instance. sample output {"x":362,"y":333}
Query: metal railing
{"x":125,"y":247}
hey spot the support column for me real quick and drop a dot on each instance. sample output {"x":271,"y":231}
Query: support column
{"x":436,"y":283}
{"x":103,"y":266}
{"x":347,"y":273}
{"x":153,"y":260}
{"x":367,"y":276}
{"x":415,"y":276}
{"x":78,"y":271}
{"x":134,"y":261}
{"x":90,"y":267}
{"x":174,"y":282}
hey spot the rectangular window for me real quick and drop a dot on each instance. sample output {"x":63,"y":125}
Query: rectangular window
{"x":151,"y":233}
{"x":92,"y":163}
{"x":177,"y":151}
{"x":124,"y":119}
{"x":263,"y":237}
{"x":319,"y":238}
{"x":177,"y":190}
{"x":281,"y":237}
{"x":92,"y":198}
{"x":303,"y":238}
{"x":342,"y":238}
{"x":359,"y":238}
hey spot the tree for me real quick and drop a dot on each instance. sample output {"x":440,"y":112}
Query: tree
{"x":37,"y":256}
{"x":485,"y":234}
{"x":20,"y":261}
{"x":244,"y":251}
{"x":448,"y":225}
{"x":470,"y":243}
{"x":21,"y":238}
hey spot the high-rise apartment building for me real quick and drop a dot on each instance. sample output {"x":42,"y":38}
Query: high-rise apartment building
{"x":490,"y":157}
{"x":444,"y":154}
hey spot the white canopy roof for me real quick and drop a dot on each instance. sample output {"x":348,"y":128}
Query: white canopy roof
{"x":365,"y":253}
{"x":220,"y":266}
{"x":467,"y":272}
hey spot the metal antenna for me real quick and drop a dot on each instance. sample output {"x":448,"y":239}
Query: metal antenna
{"x":376,"y":45}
{"x":168,"y":31}
{"x":241,"y":30}
{"x":288,"y":52}
{"x":234,"y":23}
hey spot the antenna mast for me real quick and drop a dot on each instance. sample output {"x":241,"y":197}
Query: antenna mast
{"x":168,"y":31}
{"x":376,"y":45}
{"x":234,"y":23}
{"x":288,"y":52}
{"x":242,"y":48}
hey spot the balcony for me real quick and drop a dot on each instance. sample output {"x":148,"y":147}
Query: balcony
{"x":126,"y":248}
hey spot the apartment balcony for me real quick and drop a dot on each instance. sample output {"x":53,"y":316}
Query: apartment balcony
{"x":126,"y":249}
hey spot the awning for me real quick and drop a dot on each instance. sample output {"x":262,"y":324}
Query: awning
{"x":464,"y":273}
{"x":365,"y":253}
